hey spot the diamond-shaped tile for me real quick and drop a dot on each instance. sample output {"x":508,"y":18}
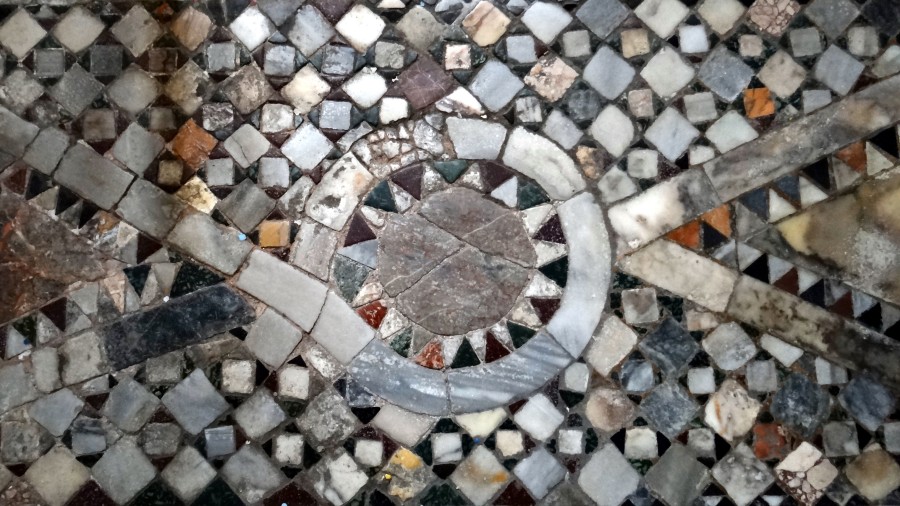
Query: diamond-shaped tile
{"x":721,"y":15}
{"x":194,"y":402}
{"x":137,"y":148}
{"x":187,"y":87}
{"x":188,"y":473}
{"x":773,"y":16}
{"x":480,"y":476}
{"x":78,"y":29}
{"x":838,"y":70}
{"x":782,"y":75}
{"x":662,"y":16}
{"x":669,"y":408}
{"x":306,"y":89}
{"x":678,"y":477}
{"x":725,"y":73}
{"x":613,"y":130}
{"x":306,"y":147}
{"x":608,"y":73}
{"x":730,"y":131}
{"x":608,"y":477}
{"x":667,"y":73}
{"x":247,"y":89}
{"x":361,"y":27}
{"x":546,"y":20}
{"x":495,"y":85}
{"x":485,"y":24}
{"x":20,"y":32}
{"x":670,"y":346}
{"x":671,"y":133}
{"x":57,"y":476}
{"x":246,"y":145}
{"x":539,"y":472}
{"x":551,"y":77}
{"x":259,"y":414}
{"x":832,"y":16}
{"x":76,"y":90}
{"x":309,"y":30}
{"x":191,"y":27}
{"x":602,"y":16}
{"x":251,"y":474}
{"x":252,"y":28}
{"x":123,"y":471}
{"x":338,"y":478}
{"x":742,"y":475}
{"x":134,"y":90}
{"x":136,"y":30}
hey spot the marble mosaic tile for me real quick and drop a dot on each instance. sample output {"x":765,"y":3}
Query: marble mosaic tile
{"x":507,"y":252}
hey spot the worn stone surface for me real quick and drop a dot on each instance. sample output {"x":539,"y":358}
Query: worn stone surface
{"x":29,"y":281}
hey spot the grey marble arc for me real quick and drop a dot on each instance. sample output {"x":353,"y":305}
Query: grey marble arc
{"x":588,"y":280}
{"x":490,"y":385}
{"x":380,"y":370}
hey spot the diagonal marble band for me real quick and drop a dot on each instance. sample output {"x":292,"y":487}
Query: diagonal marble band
{"x":746,"y":299}
{"x":664,"y":207}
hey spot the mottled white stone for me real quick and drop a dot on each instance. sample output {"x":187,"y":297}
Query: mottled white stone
{"x":333,"y":200}
{"x":686,"y":273}
{"x":543,"y":161}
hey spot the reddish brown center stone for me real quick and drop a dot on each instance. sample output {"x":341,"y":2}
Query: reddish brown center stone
{"x":457,"y":266}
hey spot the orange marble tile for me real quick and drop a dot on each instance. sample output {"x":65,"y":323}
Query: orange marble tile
{"x":758,"y":102}
{"x":193,"y":144}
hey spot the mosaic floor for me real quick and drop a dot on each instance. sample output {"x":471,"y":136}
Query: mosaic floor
{"x":453,"y":252}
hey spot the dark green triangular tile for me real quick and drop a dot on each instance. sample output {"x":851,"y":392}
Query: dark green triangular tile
{"x":349,"y":276}
{"x":443,"y":495}
{"x":531,"y":195}
{"x":519,"y":333}
{"x":381,"y":198}
{"x":137,"y":276}
{"x":192,"y":277}
{"x":557,"y":271}
{"x":451,"y":170}
{"x":401,"y":342}
{"x":218,"y":493}
{"x":465,"y":356}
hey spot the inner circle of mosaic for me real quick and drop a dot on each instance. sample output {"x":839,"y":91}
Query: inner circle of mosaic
{"x":455,"y":263}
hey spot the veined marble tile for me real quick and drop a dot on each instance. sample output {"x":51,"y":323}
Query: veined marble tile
{"x":485,"y":386}
{"x":683,"y":272}
{"x":582,"y":303}
{"x":661,"y":209}
{"x":388,"y":375}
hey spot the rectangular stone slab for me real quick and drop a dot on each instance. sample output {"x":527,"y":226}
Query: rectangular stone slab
{"x":210,"y":243}
{"x":182,"y":322}
{"x":286,"y":289}
{"x":91,"y":176}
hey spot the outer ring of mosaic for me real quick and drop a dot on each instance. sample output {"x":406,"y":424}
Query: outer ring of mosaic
{"x":403,"y":383}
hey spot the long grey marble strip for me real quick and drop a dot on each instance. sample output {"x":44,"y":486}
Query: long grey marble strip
{"x":682,"y":272}
{"x":810,"y":327}
{"x":804,"y":141}
{"x":490,"y":385}
{"x":392,"y":377}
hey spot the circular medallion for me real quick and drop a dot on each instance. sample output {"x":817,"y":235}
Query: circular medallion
{"x":467,"y":273}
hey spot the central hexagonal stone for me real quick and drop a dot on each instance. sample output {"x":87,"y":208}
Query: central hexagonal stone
{"x":457,"y":266}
